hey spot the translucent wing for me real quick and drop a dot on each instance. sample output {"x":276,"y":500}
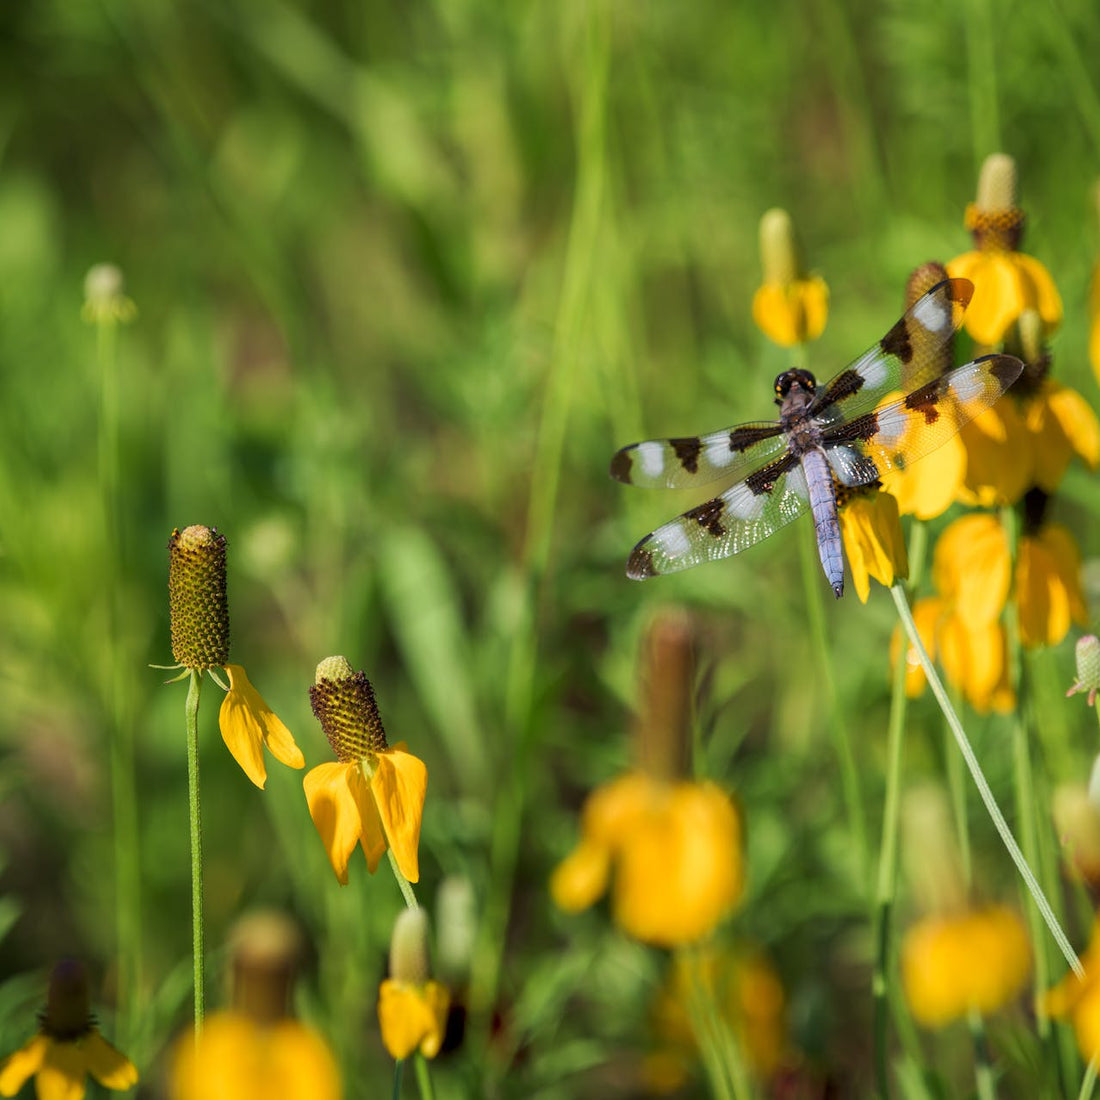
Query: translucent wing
{"x":698,"y":459}
{"x":909,"y":355}
{"x":896,"y":435}
{"x":744,"y":514}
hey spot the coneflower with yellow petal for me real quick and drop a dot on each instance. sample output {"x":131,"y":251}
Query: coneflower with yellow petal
{"x":199,"y":607}
{"x":373,"y":795}
{"x":67,"y":1046}
{"x":255,"y":1049}
{"x":790,"y":307}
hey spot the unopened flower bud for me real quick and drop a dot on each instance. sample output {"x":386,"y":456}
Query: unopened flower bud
{"x":1088,"y":667}
{"x":343,"y":702}
{"x":409,"y":947}
{"x":197,"y":598}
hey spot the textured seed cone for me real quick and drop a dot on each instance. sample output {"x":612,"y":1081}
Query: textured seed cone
{"x":197,"y":598}
{"x":779,"y":248}
{"x":343,"y":702}
{"x":67,"y":1016}
{"x":409,"y":947}
{"x":994,"y":219}
{"x":266,"y":949}
{"x":663,"y":732}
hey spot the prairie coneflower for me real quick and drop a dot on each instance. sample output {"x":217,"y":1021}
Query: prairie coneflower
{"x":873,"y":542}
{"x":790,"y":307}
{"x":374,"y":795}
{"x":67,"y":1047}
{"x":412,"y":1009}
{"x":200,"y":643}
{"x":672,"y":846}
{"x":255,"y":1050}
{"x":1006,"y":281}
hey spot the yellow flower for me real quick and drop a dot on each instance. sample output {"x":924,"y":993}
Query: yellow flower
{"x":926,"y":489}
{"x":873,"y":542}
{"x":412,"y":1009}
{"x":1062,"y":426}
{"x":1048,"y":586}
{"x":675,"y":849}
{"x":999,"y":460}
{"x":68,"y":1046}
{"x":200,"y":643}
{"x":741,"y":989}
{"x":239,"y":1058}
{"x":1079,"y":1000}
{"x":789,"y":307}
{"x":256,"y":1051}
{"x":972,"y":568}
{"x":973,"y":961}
{"x":1006,"y":282}
{"x":975,"y":660}
{"x":374,"y":795}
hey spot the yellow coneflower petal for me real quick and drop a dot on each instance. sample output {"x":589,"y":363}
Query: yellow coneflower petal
{"x":107,"y":1065}
{"x":331,"y":793}
{"x":612,"y":810}
{"x":1005,"y":284}
{"x":929,"y":487}
{"x":248,"y":723}
{"x":999,"y":461}
{"x":1063,"y":425}
{"x":412,"y":1017}
{"x":63,"y":1075}
{"x":300,"y":1064}
{"x":581,"y":877}
{"x":792,"y":313}
{"x":972,"y":568}
{"x":975,"y":660}
{"x":871,"y":530}
{"x":1039,"y":290}
{"x":399,"y":784}
{"x":227,"y":1063}
{"x":1048,"y":585}
{"x":23,"y":1064}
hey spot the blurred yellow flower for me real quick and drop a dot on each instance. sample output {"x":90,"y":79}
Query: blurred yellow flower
{"x":999,"y":461}
{"x":1062,"y":426}
{"x":374,"y":795}
{"x":1048,"y":586}
{"x":741,"y":989}
{"x":1006,"y":281}
{"x":973,"y":961}
{"x":790,"y":307}
{"x":1078,"y":999}
{"x":240,"y":1058}
{"x":412,"y":1017}
{"x":675,"y":849}
{"x":972,"y":568}
{"x":873,"y":541}
{"x":67,"y":1046}
{"x":975,"y":660}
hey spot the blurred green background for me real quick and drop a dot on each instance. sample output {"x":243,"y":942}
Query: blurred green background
{"x":406,"y":276}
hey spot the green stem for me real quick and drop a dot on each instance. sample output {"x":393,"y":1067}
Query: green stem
{"x":838,"y":727}
{"x":398,"y":1073}
{"x":887,"y":872}
{"x":981,"y":783}
{"x":983,"y":1065}
{"x":985,"y":123}
{"x":402,"y":882}
{"x":721,"y":1059}
{"x":423,"y":1077}
{"x":197,"y":935}
{"x":1088,"y":1082}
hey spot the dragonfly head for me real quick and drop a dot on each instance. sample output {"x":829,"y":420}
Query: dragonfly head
{"x":789,"y":379}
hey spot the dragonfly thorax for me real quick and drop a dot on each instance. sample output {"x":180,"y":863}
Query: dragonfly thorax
{"x":803,"y":379}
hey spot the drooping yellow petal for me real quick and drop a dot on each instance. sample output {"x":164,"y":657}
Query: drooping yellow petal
{"x":1005,"y":284}
{"x":792,"y":313}
{"x":333,"y":805}
{"x":1063,"y":425}
{"x":928,"y":487}
{"x":976,"y":661}
{"x":1039,"y":290}
{"x":300,"y":1065}
{"x":681,"y":872}
{"x":972,"y":568}
{"x":412,"y":1017}
{"x":228,"y":1062}
{"x":399,"y":784}
{"x":64,"y":1073}
{"x":23,"y":1064}
{"x":581,"y":877}
{"x":1048,"y":586}
{"x":107,"y":1065}
{"x":248,"y":723}
{"x":873,"y":542}
{"x":613,"y":809}
{"x":999,"y":456}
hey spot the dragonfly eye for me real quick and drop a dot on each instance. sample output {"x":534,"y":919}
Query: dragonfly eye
{"x":788,"y":378}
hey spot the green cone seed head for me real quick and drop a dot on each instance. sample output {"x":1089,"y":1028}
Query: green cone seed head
{"x":779,"y":248}
{"x":343,"y":702}
{"x":67,"y":1016}
{"x":197,"y":598}
{"x":409,"y":947}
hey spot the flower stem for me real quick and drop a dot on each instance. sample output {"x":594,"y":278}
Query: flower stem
{"x":983,"y":1066}
{"x":980,"y":782}
{"x":197,"y":935}
{"x":1088,"y":1082}
{"x":887,"y":872}
{"x":398,"y":1073}
{"x":402,"y":882}
{"x":423,"y":1078}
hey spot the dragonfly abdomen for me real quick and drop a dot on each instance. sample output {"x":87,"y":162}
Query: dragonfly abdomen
{"x":822,"y":496}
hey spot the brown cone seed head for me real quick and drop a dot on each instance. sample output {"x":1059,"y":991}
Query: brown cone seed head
{"x":343,"y":702}
{"x":197,"y":598}
{"x":266,"y":948}
{"x":67,"y":1016}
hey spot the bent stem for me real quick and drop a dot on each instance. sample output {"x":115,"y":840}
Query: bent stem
{"x":424,"y":1078}
{"x":402,"y":882}
{"x":980,"y":782}
{"x":197,"y":937}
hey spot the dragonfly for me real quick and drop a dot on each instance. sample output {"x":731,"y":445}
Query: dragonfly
{"x":888,"y":408}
